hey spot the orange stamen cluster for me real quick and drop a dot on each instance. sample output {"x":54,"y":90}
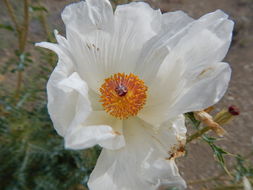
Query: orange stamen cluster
{"x":123,"y":95}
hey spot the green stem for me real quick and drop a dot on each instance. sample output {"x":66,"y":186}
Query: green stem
{"x":25,"y":26}
{"x":45,"y":27}
{"x":49,"y":35}
{"x":22,"y":43}
{"x":12,"y":15}
{"x":197,"y":134}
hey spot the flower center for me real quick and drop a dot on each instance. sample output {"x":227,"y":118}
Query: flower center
{"x":123,"y":95}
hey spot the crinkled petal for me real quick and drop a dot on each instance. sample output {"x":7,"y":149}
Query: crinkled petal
{"x":88,"y":26}
{"x":85,"y":17}
{"x":67,"y":100}
{"x":140,"y":17}
{"x":209,"y":87}
{"x":158,"y":47}
{"x":71,"y":110}
{"x":143,"y":163}
{"x":203,"y":91}
{"x":98,"y":128}
{"x":57,"y":49}
{"x":195,"y":58}
{"x":100,"y":13}
{"x":99,"y":53}
{"x":62,"y":41}
{"x":61,"y":49}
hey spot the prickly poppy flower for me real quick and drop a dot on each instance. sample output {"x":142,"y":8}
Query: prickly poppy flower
{"x":123,"y":81}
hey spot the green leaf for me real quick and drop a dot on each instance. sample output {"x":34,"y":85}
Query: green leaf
{"x":38,"y":8}
{"x":242,"y":169}
{"x":195,"y":122}
{"x":208,"y":139}
{"x":220,"y":150}
{"x":7,"y":27}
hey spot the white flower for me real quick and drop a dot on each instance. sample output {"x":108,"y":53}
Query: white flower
{"x":157,"y":67}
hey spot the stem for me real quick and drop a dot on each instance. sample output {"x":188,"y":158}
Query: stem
{"x":197,"y":134}
{"x":19,"y":81}
{"x":45,"y":26}
{"x":25,"y":25}
{"x":200,"y":132}
{"x":22,"y":43}
{"x":12,"y":15}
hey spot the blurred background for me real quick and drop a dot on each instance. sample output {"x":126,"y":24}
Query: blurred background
{"x":32,"y":154}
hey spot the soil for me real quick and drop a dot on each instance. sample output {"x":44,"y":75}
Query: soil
{"x":199,"y":162}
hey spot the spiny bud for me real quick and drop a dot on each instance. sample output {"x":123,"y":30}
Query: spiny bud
{"x":234,"y":110}
{"x":225,"y":116}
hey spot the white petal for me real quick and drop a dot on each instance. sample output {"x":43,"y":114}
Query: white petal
{"x":69,"y":106}
{"x":201,"y":92}
{"x":67,"y":99}
{"x":100,"y":54}
{"x":54,"y":47}
{"x":82,"y":137}
{"x":206,"y":42}
{"x":140,"y":17}
{"x":142,"y":163}
{"x":60,"y":39}
{"x":75,"y":17}
{"x":84,"y":17}
{"x":68,"y":102}
{"x":98,"y":128}
{"x":61,"y":49}
{"x":97,"y":54}
{"x":100,"y":13}
{"x":208,"y":89}
{"x":203,"y":45}
{"x":158,"y":47}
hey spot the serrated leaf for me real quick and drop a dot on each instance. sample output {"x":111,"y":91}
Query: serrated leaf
{"x":220,"y":150}
{"x":208,"y":139}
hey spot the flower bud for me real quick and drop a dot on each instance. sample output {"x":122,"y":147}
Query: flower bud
{"x":208,"y":120}
{"x":234,"y":110}
{"x":225,"y":116}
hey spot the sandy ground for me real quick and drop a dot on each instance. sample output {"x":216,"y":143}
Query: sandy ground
{"x":199,"y":163}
